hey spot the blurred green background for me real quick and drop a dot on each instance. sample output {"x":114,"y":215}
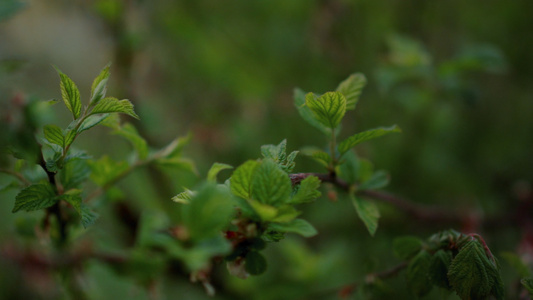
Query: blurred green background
{"x":456,"y":76}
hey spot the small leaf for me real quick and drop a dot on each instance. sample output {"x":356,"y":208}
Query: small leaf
{"x":255,"y":263}
{"x":215,"y":169}
{"x":368,"y":212}
{"x":328,"y":109}
{"x":278,"y":154}
{"x":175,"y":148}
{"x":241,"y":180}
{"x":306,"y":113}
{"x":99,"y":86}
{"x":349,"y":168}
{"x":111,"y":105}
{"x":34,"y":197}
{"x":307,"y":190}
{"x":355,"y":139}
{"x":351,"y":88}
{"x":472,"y":275}
{"x":440,"y":265}
{"x":418,"y":274}
{"x":406,"y":247}
{"x":91,"y":121}
{"x":270,"y":184}
{"x":318,"y":155}
{"x":264,"y":211}
{"x":184,"y":197}
{"x":378,"y":180}
{"x":70,"y":94}
{"x":129,"y":132}
{"x":299,"y":226}
{"x":54,"y":135}
{"x":88,"y":217}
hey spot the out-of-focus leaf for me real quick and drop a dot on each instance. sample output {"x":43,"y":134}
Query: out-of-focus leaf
{"x":307,"y":190}
{"x":215,"y":169}
{"x":351,"y":88}
{"x":355,"y":139}
{"x":418,"y":274}
{"x":378,"y":180}
{"x":368,"y":212}
{"x":255,"y":263}
{"x":129,"y":132}
{"x":406,"y":247}
{"x":299,"y":226}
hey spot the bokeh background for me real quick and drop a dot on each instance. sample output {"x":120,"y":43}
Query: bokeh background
{"x":456,"y":76}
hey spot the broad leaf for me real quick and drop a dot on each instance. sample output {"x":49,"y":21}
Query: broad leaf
{"x":99,"y":86}
{"x":351,"y":88}
{"x":278,"y":154}
{"x":129,"y":132}
{"x":306,"y":113}
{"x":328,"y":109}
{"x":440,"y":265}
{"x":91,"y":121}
{"x":105,"y":170}
{"x":70,"y":94}
{"x":54,"y":135}
{"x":255,"y":263}
{"x":241,"y":180}
{"x":86,"y":215}
{"x":215,"y":169}
{"x":74,"y":173}
{"x":270,"y":184}
{"x":355,"y":139}
{"x":368,"y":212}
{"x":307,"y":190}
{"x":418,"y":274}
{"x":318,"y":155}
{"x":299,"y":226}
{"x":113,"y":105}
{"x":406,"y":247}
{"x":473,"y":275}
{"x":34,"y":197}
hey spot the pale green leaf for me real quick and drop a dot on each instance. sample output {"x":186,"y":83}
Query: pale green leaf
{"x":113,"y":105}
{"x":34,"y":197}
{"x":285,"y":213}
{"x":270,"y":184}
{"x":264,"y":211}
{"x":306,"y":113}
{"x":241,"y":180}
{"x":54,"y":135}
{"x":99,"y":86}
{"x":307,"y":190}
{"x":299,"y":226}
{"x":91,"y":121}
{"x":418,"y":274}
{"x":215,"y":169}
{"x":129,"y":132}
{"x":355,"y":139}
{"x":106,"y":170}
{"x":368,"y":212}
{"x":175,"y":148}
{"x":351,"y":88}
{"x":328,"y":109}
{"x":184,"y":197}
{"x":70,"y":94}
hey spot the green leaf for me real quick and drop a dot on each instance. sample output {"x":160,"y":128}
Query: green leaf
{"x":255,"y":263}
{"x":406,"y":247}
{"x":264,"y":211}
{"x":270,"y":184}
{"x":241,"y":180}
{"x":318,"y":155}
{"x":208,"y":212}
{"x":99,"y":86}
{"x":87,"y":216}
{"x":105,"y":170}
{"x":34,"y":197}
{"x":175,"y":148}
{"x":113,"y":105}
{"x":299,"y":226}
{"x":350,"y":166}
{"x":74,"y":173}
{"x":307,"y":190}
{"x":528,"y":284}
{"x":91,"y":121}
{"x":129,"y":132}
{"x":278,"y":154}
{"x":351,"y":88}
{"x":440,"y":265}
{"x":355,"y":139}
{"x":306,"y":113}
{"x":378,"y":180}
{"x":54,"y":135}
{"x":184,"y":197}
{"x":70,"y":94}
{"x":328,"y":109}
{"x":215,"y":169}
{"x":368,"y":212}
{"x":285,"y":213}
{"x":418,"y":274}
{"x":473,"y":275}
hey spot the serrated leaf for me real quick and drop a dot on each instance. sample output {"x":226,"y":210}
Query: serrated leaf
{"x":113,"y":105}
{"x":91,"y":121}
{"x":99,"y":86}
{"x":368,"y":212}
{"x":129,"y":132}
{"x":328,"y":109}
{"x":87,"y":216}
{"x":54,"y":135}
{"x":472,"y":275}
{"x":74,"y":173}
{"x":278,"y":154}
{"x":34,"y":197}
{"x":406,"y":247}
{"x":378,"y":180}
{"x":70,"y":94}
{"x":440,"y":265}
{"x":418,"y":274}
{"x":351,"y":88}
{"x":255,"y":263}
{"x":215,"y":169}
{"x":241,"y":180}
{"x":270,"y":184}
{"x":52,"y":163}
{"x":355,"y":139}
{"x":184,"y":197}
{"x":299,"y":226}
{"x":306,"y":113}
{"x":307,"y":190}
